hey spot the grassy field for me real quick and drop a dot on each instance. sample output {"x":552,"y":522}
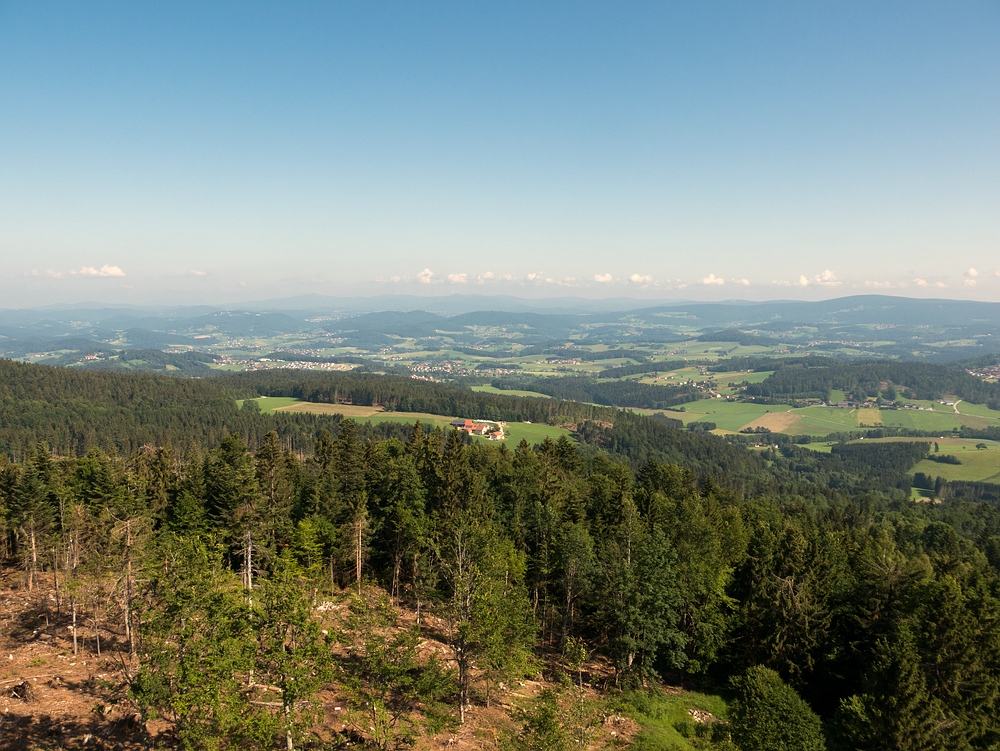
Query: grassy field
{"x":516,"y":431}
{"x":923,"y":420}
{"x":820,"y":421}
{"x":869,"y":417}
{"x":532,"y":433}
{"x":268,"y":404}
{"x":726,"y":415}
{"x":977,"y":464}
{"x":666,"y":722}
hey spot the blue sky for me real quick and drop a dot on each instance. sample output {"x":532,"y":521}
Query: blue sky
{"x":212,"y":152}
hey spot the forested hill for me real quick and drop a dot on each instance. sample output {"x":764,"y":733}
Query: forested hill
{"x":74,"y":412}
{"x":815,"y":377}
{"x":202,"y":570}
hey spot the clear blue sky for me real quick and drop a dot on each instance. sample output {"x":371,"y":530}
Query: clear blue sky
{"x":221,"y":151}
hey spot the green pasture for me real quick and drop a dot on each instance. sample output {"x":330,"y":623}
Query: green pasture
{"x":717,"y":350}
{"x":989,"y":416}
{"x":726,"y":415}
{"x":823,"y":448}
{"x":516,"y":431}
{"x":916,"y":419}
{"x":820,"y":421}
{"x":736,"y":376}
{"x":977,"y":464}
{"x":270,"y":403}
{"x":532,"y":433}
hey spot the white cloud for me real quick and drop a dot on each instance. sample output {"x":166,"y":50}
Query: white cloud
{"x":644,"y":279}
{"x":713,"y":279}
{"x":485,"y":277}
{"x":879,"y":285}
{"x":827,"y":279}
{"x":972,"y":273}
{"x":195,"y":272}
{"x":743,"y":282}
{"x":605,"y":278}
{"x":969,"y":282}
{"x":940,"y":285}
{"x":105,"y":270}
{"x":462,"y":278}
{"x":920,"y":282}
{"x":426,"y":276}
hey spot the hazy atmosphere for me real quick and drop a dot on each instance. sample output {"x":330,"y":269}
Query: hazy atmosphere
{"x":193,"y":153}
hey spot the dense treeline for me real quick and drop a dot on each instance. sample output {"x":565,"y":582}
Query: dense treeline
{"x":811,"y":380}
{"x":642,"y":366}
{"x":604,"y":392}
{"x":411,"y":395}
{"x":177,"y":363}
{"x":744,"y":338}
{"x":205,"y":568}
{"x":74,"y":411}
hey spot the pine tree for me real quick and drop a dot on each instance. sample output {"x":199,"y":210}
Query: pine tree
{"x":768,"y":715}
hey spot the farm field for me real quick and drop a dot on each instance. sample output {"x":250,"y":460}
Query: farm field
{"x":729,"y":416}
{"x":516,"y":431}
{"x":869,"y":417}
{"x":977,"y":464}
{"x":966,"y":409}
{"x":269,"y":404}
{"x":822,"y":421}
{"x":923,"y":420}
{"x":316,"y":408}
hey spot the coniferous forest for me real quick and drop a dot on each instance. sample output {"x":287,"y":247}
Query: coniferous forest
{"x":241,"y":569}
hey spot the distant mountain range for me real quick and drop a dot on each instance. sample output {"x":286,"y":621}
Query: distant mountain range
{"x":868,"y":325}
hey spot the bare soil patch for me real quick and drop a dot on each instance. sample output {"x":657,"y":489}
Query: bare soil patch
{"x":51,"y":699}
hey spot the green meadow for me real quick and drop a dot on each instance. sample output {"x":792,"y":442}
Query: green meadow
{"x":268,"y":404}
{"x":516,"y":431}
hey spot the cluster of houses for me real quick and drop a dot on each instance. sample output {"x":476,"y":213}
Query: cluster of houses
{"x":492,"y":431}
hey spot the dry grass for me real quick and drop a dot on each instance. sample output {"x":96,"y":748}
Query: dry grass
{"x":774,"y":421}
{"x":869,"y":416}
{"x":347,"y":410}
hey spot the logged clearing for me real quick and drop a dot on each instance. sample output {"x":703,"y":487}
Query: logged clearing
{"x":315,"y":408}
{"x":53,"y":699}
{"x":774,"y":421}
